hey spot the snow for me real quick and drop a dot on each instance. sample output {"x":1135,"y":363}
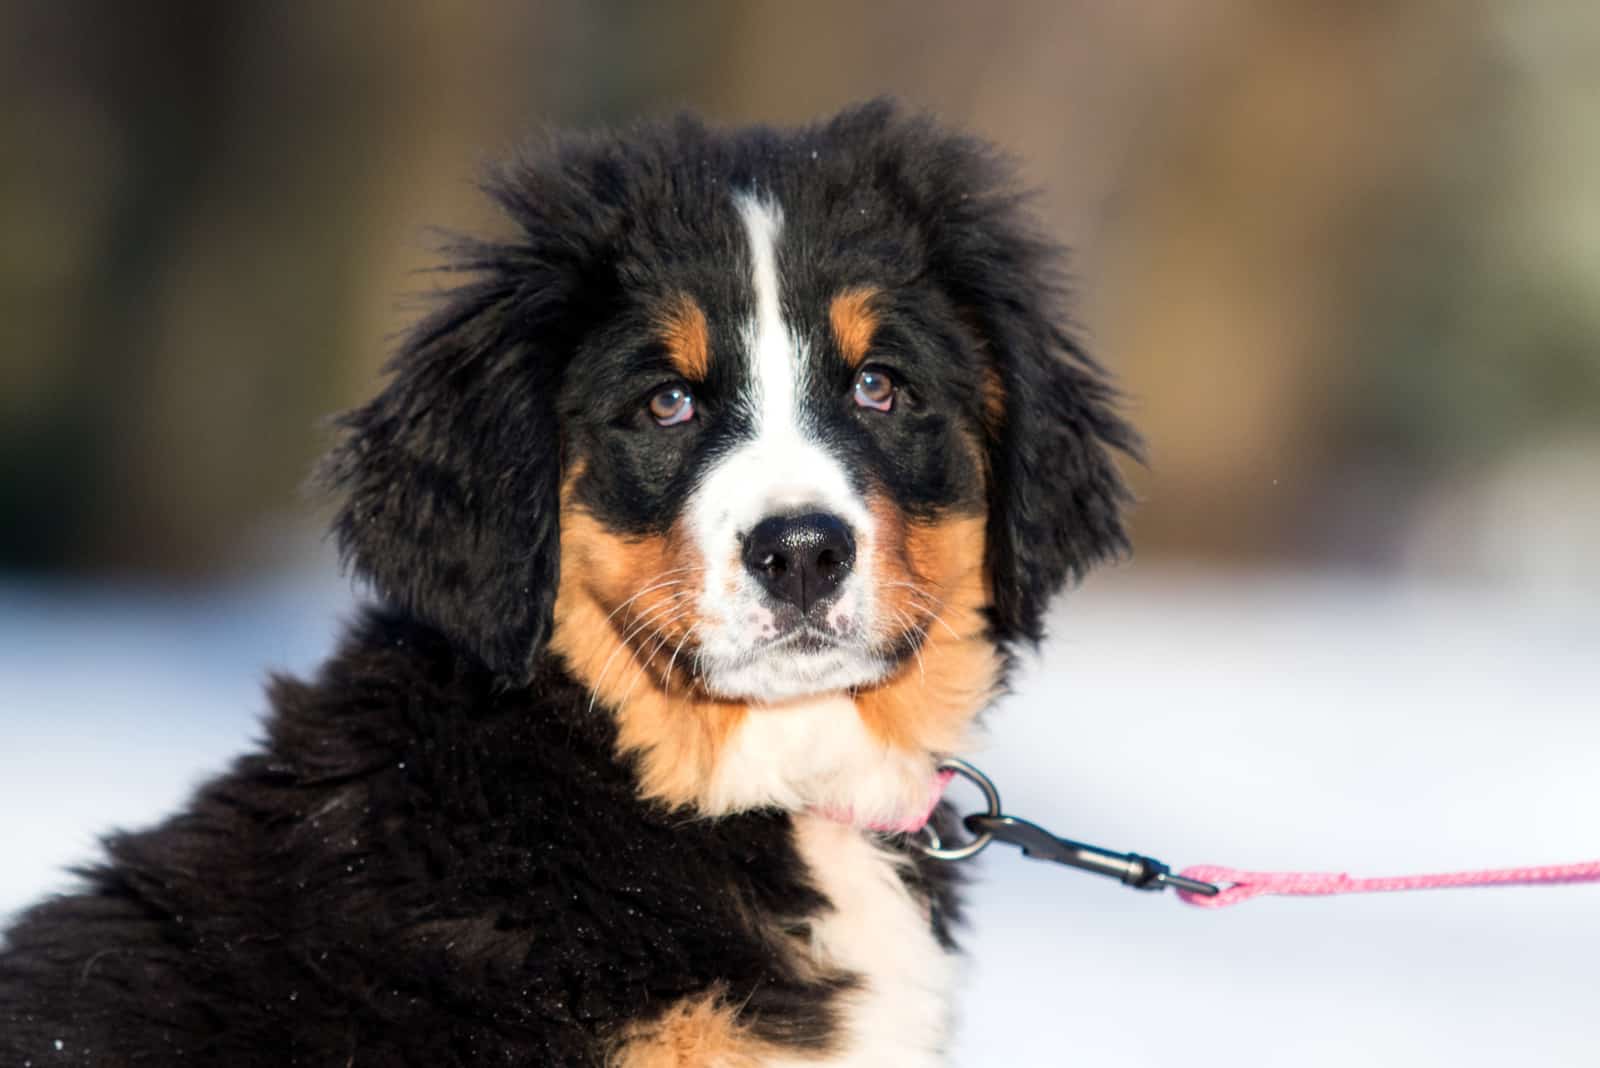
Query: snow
{"x":1290,"y":722}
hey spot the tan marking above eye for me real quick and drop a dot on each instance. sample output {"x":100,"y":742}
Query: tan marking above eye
{"x":687,"y":337}
{"x":854,"y":318}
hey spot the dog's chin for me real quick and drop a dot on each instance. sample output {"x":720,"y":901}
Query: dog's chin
{"x":794,"y":668}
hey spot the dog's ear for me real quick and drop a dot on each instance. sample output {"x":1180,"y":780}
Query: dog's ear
{"x":1049,"y":411}
{"x":450,"y":478}
{"x":1055,"y":495}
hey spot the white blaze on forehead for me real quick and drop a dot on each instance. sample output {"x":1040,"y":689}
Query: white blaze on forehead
{"x":781,"y":469}
{"x":771,"y":347}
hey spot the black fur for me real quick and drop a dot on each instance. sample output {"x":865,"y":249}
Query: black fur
{"x":437,"y":858}
{"x":422,"y":866}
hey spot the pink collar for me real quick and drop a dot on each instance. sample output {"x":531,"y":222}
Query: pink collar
{"x":911,"y":822}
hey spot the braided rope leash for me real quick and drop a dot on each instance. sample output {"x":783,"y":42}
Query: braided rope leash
{"x":1237,"y":886}
{"x":1207,"y":886}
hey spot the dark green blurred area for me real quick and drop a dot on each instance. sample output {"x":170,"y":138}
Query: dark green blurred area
{"x":1345,"y":257}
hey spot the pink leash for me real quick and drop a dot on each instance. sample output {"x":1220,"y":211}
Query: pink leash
{"x":1240,"y":886}
{"x":1206,"y":886}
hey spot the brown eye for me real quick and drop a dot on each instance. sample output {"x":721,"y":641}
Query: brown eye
{"x":874,"y":389}
{"x":672,"y":406}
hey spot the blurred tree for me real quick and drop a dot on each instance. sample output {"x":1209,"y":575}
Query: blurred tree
{"x":1339,"y":252}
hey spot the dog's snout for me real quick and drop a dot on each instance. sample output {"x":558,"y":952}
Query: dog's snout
{"x":800,"y":559}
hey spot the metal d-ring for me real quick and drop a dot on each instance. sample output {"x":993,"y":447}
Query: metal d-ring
{"x":933,"y":846}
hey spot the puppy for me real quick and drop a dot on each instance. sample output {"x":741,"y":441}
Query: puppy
{"x":702,"y":520}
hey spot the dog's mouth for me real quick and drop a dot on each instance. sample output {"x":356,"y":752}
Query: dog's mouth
{"x":804,"y":659}
{"x":799,"y":642}
{"x":805,"y":638}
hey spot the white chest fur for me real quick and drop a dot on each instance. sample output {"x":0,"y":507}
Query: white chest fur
{"x":899,"y":1014}
{"x":816,"y":753}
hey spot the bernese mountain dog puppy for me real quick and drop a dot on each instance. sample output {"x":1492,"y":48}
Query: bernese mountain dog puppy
{"x":702,"y":520}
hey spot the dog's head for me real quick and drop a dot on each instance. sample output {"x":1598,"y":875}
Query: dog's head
{"x":772,"y":414}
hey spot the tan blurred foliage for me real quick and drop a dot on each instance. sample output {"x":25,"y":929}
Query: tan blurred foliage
{"x":1343,"y":255}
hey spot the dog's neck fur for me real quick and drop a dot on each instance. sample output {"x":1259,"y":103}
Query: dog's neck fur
{"x":872,"y":753}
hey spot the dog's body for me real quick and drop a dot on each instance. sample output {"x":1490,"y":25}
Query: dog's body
{"x":703,"y":522}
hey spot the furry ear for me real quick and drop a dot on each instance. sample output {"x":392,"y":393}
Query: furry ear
{"x":451,"y":476}
{"x":1055,"y":495}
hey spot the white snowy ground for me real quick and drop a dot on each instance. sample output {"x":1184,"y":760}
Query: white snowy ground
{"x":1297,"y":723}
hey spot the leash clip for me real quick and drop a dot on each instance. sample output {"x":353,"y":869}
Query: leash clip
{"x":1131,"y":869}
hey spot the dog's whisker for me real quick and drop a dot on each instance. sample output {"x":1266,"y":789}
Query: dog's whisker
{"x":678,"y":649}
{"x":910,"y":624}
{"x":657,"y":582}
{"x":667,"y":678}
{"x":936,"y":617}
{"x":927,"y":602}
{"x":933,"y":607}
{"x":668,"y":605}
{"x":661,"y":638}
{"x":671,"y":576}
{"x":624,"y":643}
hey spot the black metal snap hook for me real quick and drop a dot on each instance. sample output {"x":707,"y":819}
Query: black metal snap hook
{"x":1131,"y":869}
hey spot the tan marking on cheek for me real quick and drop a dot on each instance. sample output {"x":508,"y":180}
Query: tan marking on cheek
{"x":687,"y":337}
{"x":698,"y":1032}
{"x":931,"y":579}
{"x":897,"y":588}
{"x":651,"y":582}
{"x":854,"y":320}
{"x":626,"y":641}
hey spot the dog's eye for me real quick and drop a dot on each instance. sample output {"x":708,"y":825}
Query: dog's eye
{"x":671,"y":406}
{"x":874,"y":389}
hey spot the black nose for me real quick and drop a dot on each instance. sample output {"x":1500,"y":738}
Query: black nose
{"x":800,"y":559}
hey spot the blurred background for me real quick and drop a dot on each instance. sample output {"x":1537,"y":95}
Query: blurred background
{"x":1344,"y":257}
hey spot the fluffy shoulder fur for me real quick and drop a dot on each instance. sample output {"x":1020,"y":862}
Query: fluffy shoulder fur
{"x":422,"y":866}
